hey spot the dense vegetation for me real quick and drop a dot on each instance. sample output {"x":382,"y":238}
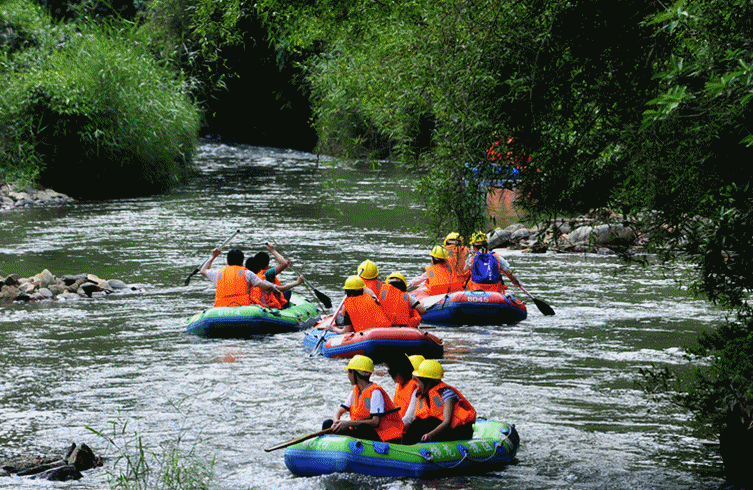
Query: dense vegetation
{"x":641,"y":107}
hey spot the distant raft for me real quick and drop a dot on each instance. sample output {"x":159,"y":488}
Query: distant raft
{"x":473,"y":308}
{"x":378,"y":343}
{"x":493,"y":446}
{"x":240,"y":322}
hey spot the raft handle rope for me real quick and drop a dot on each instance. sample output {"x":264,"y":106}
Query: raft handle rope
{"x":357,"y":447}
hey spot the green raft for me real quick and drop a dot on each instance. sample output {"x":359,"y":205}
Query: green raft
{"x":493,"y":446}
{"x":240,"y":322}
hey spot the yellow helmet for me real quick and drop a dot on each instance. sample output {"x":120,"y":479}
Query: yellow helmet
{"x":368,"y":270}
{"x":416,"y":360}
{"x":354,"y":282}
{"x":479,"y":236}
{"x":398,"y":276}
{"x":429,"y":369}
{"x":453,"y":236}
{"x":439,"y":252}
{"x":361,"y":363}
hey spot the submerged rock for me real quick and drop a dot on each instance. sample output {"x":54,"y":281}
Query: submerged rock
{"x":78,"y":458}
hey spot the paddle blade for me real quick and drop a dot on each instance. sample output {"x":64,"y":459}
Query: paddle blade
{"x":188,"y":279}
{"x":323,"y":298}
{"x":543,"y":307}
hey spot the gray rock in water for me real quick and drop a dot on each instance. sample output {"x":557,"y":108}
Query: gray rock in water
{"x":61,"y":473}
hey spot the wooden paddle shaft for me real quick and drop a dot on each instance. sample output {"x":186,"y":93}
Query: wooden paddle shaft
{"x":315,"y":434}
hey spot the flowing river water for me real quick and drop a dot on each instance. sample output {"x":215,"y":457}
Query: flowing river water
{"x":124,"y":363}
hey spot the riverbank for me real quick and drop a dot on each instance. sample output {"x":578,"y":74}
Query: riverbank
{"x":601,"y":231}
{"x":11,"y":197}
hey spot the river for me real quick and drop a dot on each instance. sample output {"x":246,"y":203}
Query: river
{"x":125,"y":362}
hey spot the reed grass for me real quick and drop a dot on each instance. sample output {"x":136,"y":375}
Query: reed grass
{"x":175,"y":465}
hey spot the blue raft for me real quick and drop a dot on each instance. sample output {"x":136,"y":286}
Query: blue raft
{"x":234,"y":322}
{"x":473,"y":308}
{"x":493,"y":446}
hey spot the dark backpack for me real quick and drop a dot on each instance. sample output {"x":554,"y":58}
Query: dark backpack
{"x":485,"y":269}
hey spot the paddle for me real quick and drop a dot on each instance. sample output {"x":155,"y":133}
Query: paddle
{"x":315,"y":434}
{"x":320,"y":296}
{"x":318,"y":347}
{"x":198,"y":269}
{"x":542,"y":306}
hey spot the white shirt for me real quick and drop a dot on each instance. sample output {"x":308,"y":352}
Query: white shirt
{"x":250,"y":278}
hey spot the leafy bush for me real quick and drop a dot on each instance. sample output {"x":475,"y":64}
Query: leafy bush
{"x":89,"y":108}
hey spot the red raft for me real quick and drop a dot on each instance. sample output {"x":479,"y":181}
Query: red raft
{"x":378,"y":343}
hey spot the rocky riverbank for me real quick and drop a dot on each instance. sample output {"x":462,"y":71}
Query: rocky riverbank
{"x":600,"y":232}
{"x":45,"y":286}
{"x":11,"y":198}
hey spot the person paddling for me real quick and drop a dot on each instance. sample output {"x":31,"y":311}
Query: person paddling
{"x":487,"y":266}
{"x":373,"y":414}
{"x":401,"y":308}
{"x":369,"y":272}
{"x":232,"y":282}
{"x":457,"y":256}
{"x":360,"y":311}
{"x":259,"y":265}
{"x":439,"y":277}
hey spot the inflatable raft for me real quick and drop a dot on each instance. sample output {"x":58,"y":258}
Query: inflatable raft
{"x":493,"y":446}
{"x":473,"y":308}
{"x":234,"y":322}
{"x":378,"y":343}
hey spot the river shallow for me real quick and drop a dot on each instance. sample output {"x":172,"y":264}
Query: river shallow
{"x":565,"y":381}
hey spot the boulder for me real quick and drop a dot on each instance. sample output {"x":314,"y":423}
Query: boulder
{"x":44,"y":279}
{"x":12,"y":280}
{"x":117,"y":284}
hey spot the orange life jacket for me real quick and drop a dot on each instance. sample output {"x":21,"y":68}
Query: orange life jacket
{"x":269,"y":299}
{"x":441,"y":280}
{"x":365,"y":313}
{"x":403,"y":394}
{"x":457,"y":259}
{"x":498,"y":287}
{"x":374,"y":284}
{"x":396,"y":305}
{"x":432,"y":405}
{"x":232,"y":288}
{"x":390,"y":425}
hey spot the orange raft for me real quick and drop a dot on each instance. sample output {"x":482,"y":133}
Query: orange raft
{"x":378,"y":343}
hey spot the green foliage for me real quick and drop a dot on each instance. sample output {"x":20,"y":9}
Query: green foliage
{"x":653,"y":122}
{"x":100,"y":107}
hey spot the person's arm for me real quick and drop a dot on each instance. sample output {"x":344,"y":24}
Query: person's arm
{"x":416,"y":305}
{"x":341,"y":410}
{"x":504,"y":266}
{"x":208,"y":264}
{"x":282,"y":264}
{"x":410,"y":414}
{"x":418,"y":280}
{"x":449,"y":409}
{"x":512,"y":277}
{"x":254,"y":280}
{"x":290,"y":285}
